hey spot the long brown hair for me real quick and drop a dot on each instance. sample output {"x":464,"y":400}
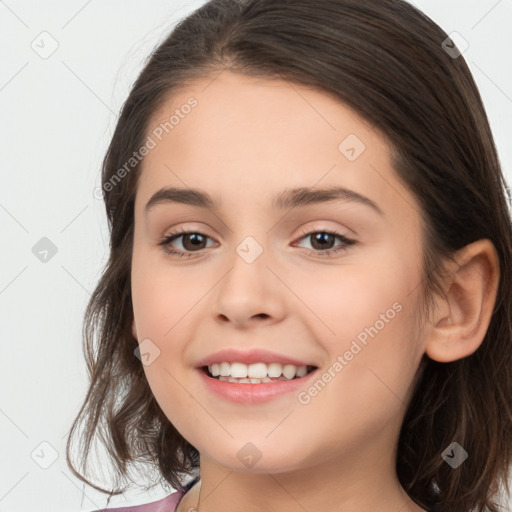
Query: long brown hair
{"x":389,"y":62}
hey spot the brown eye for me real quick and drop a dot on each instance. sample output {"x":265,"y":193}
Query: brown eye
{"x":192,"y":241}
{"x":321,"y":242}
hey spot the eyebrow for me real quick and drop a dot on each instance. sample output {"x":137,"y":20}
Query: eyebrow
{"x":290,"y":198}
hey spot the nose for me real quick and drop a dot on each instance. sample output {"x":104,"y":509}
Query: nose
{"x":249,"y":293}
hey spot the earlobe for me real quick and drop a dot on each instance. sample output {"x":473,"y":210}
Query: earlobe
{"x":463,"y":315}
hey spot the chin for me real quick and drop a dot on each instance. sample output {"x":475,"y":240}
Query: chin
{"x":258,"y":456}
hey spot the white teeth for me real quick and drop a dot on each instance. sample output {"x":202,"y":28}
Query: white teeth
{"x":275,"y":369}
{"x":248,"y":381}
{"x":238,"y":370}
{"x":289,"y":371}
{"x":256,"y":372}
{"x":301,"y":371}
{"x":225,"y":369}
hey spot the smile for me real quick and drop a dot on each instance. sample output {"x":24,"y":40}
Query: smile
{"x":253,"y":390}
{"x":256,"y":373}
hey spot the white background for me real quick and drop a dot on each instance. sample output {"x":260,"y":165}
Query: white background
{"x":57,"y":116}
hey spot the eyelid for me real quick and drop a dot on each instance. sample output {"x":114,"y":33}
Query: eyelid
{"x":337,"y":230}
{"x":185,"y":228}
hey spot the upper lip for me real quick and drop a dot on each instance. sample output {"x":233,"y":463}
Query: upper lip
{"x":232,"y":355}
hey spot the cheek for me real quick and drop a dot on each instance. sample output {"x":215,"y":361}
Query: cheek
{"x":161,"y":294}
{"x":368,"y":377}
{"x":169,"y":387}
{"x":347,"y":299}
{"x":368,"y":312}
{"x":163,"y":303}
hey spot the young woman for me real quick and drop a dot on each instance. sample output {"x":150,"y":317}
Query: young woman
{"x":307,"y":304}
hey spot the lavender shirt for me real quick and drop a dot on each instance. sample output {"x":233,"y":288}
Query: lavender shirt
{"x":167,"y":504}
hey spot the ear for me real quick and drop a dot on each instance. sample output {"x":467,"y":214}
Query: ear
{"x":462,"y":316}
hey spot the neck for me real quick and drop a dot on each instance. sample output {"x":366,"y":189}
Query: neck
{"x":352,"y":481}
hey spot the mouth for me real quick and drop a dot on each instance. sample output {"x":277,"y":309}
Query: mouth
{"x":256,"y":373}
{"x":255,"y":382}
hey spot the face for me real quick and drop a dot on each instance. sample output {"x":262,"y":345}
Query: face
{"x":332,"y":282}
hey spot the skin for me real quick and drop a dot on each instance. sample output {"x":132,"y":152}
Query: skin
{"x":247,"y":140}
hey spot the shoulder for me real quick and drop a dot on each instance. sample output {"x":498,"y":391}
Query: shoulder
{"x":167,"y":504}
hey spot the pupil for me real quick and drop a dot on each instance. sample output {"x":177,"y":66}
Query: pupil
{"x":195,"y":239}
{"x":319,"y":237}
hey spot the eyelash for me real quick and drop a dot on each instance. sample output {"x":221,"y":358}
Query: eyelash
{"x":165,"y":243}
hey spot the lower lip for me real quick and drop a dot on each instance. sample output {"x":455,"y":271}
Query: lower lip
{"x":253,"y":393}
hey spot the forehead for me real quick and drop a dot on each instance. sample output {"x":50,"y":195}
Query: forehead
{"x":256,"y":112}
{"x":248,"y":138}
